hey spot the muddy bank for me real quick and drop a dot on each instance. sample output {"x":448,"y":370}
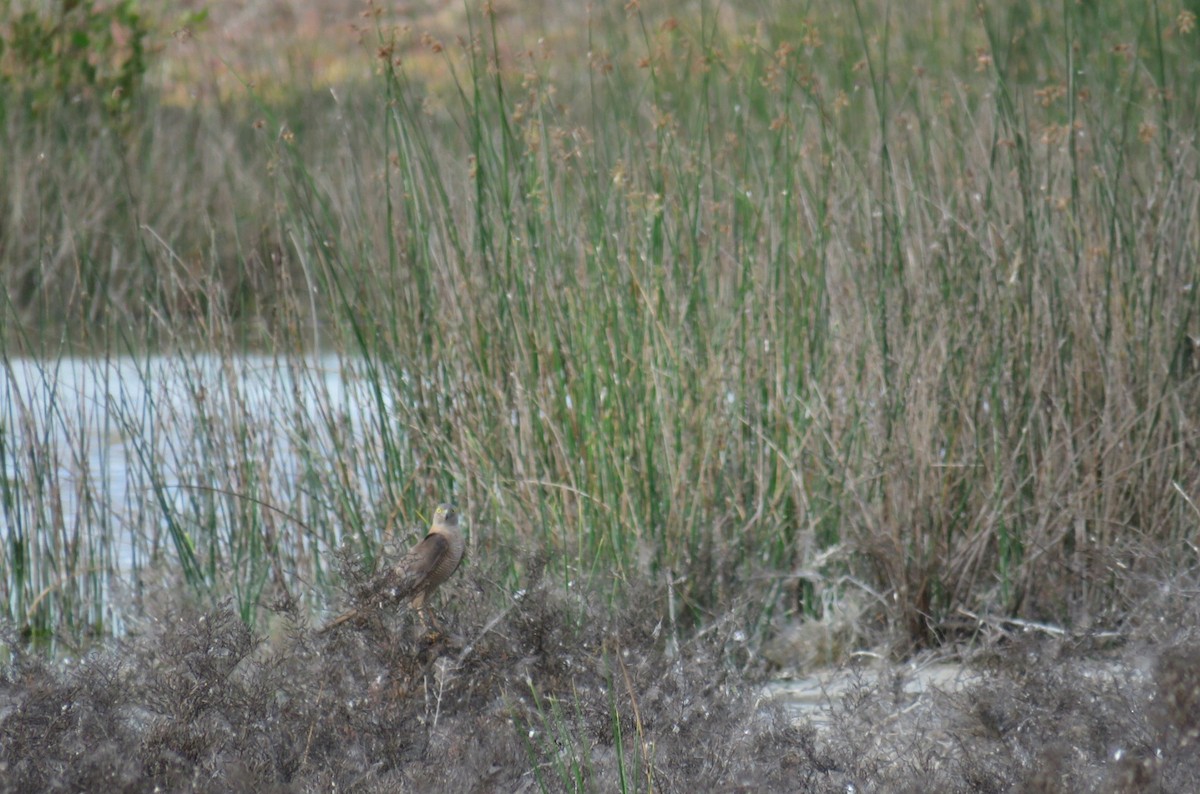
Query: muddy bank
{"x":551,"y":690}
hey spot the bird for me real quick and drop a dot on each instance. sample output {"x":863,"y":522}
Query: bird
{"x":418,"y":573}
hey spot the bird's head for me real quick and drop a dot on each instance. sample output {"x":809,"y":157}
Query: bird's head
{"x":445,"y":516}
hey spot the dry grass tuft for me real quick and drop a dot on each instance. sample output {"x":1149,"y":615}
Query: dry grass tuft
{"x":555,"y":691}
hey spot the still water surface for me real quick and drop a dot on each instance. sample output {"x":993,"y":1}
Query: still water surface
{"x":95,"y":452}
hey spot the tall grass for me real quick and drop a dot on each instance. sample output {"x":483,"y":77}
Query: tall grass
{"x":911,"y":295}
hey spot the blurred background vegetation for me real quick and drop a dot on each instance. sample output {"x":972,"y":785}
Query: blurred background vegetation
{"x":838,"y":310}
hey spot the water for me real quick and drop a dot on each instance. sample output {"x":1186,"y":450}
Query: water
{"x":99,"y":455}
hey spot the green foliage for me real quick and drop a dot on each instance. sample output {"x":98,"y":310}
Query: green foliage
{"x":82,"y":50}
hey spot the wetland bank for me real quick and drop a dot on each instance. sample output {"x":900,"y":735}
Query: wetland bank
{"x":751,"y":344}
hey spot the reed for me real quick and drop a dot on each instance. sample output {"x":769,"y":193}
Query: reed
{"x":901,"y":306}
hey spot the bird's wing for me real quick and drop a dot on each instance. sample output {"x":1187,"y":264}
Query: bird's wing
{"x":422,"y":566}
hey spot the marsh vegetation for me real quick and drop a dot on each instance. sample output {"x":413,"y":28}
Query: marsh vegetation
{"x":745,"y":339}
